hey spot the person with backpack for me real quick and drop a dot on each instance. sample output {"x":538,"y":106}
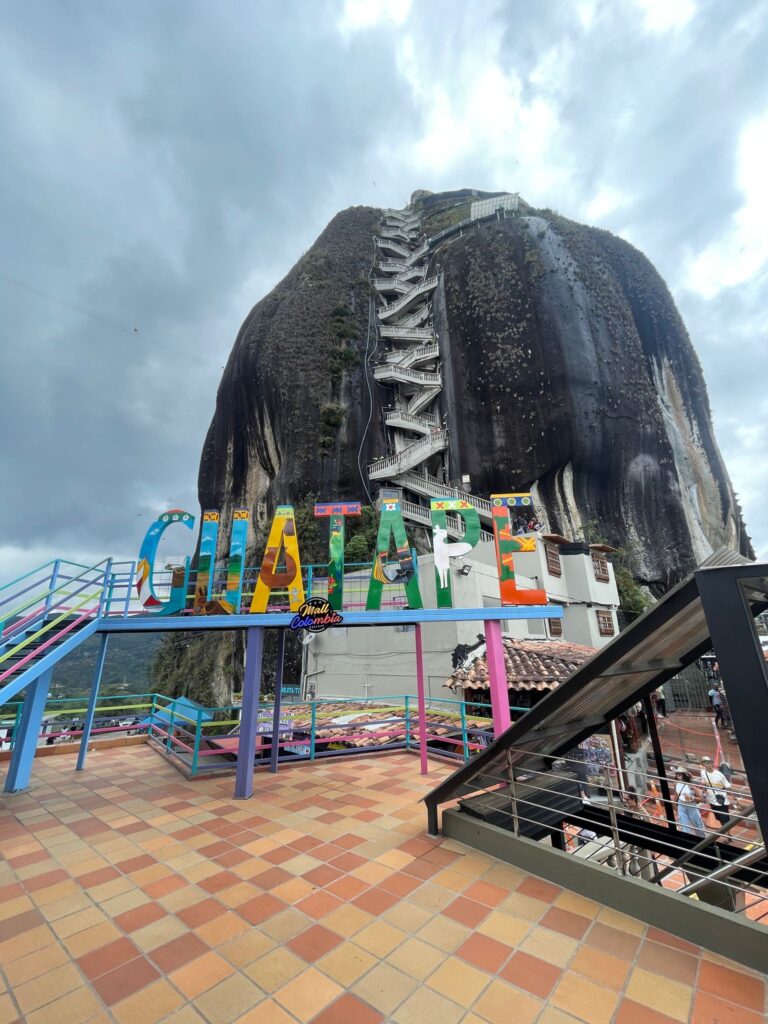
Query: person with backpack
{"x":717,"y":786}
{"x":688,"y":813}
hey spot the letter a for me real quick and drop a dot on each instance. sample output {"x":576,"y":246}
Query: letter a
{"x":391,"y":524}
{"x":282,"y":534}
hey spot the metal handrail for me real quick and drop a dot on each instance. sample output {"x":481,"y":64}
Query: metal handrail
{"x":26,"y":576}
{"x":44,"y":646}
{"x":49,"y":593}
{"x":437,"y":437}
{"x":730,"y":824}
{"x":720,"y":874}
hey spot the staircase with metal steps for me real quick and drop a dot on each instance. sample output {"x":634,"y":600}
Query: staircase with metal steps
{"x":411,"y":367}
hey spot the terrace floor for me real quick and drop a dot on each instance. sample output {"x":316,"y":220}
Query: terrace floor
{"x":129,"y":894}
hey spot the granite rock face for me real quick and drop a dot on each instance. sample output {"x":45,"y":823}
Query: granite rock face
{"x":566,"y":368}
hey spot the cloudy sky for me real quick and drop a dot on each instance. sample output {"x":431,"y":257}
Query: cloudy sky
{"x":162,"y":165}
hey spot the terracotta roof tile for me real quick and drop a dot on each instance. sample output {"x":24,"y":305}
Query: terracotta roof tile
{"x":530,"y":665}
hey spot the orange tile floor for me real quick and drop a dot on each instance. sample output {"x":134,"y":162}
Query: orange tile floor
{"x":129,"y":894}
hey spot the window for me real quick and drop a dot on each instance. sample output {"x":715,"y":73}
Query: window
{"x":555,"y":627}
{"x":407,"y":627}
{"x":600,"y":566}
{"x":553,"y":560}
{"x":605,"y":623}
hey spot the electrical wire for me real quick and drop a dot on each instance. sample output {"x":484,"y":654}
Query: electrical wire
{"x":135,"y":332}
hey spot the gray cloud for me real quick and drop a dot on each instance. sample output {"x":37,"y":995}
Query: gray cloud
{"x":163,"y":165}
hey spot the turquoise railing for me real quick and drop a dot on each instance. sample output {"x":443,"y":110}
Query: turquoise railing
{"x":205,"y":740}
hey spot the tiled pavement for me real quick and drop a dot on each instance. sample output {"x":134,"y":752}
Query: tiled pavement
{"x":128,"y":894}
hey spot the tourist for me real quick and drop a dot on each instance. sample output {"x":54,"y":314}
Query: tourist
{"x":716,"y":701}
{"x":661,"y":702}
{"x":717,"y":786}
{"x":688,"y":813}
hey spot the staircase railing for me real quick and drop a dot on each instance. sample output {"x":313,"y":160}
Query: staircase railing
{"x":422,"y":377}
{"x":418,"y":289}
{"x":15,"y":621}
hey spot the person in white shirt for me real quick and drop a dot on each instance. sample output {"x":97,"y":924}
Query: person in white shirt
{"x":688,"y":813}
{"x":717,"y":786}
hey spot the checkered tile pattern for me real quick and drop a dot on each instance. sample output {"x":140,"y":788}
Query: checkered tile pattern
{"x":130,"y":895}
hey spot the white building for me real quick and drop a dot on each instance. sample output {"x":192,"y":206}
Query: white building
{"x":379,"y":660}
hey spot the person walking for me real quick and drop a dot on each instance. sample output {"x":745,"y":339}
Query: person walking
{"x":716,"y":702}
{"x":688,"y":813}
{"x":717,"y":786}
{"x":661,"y":702}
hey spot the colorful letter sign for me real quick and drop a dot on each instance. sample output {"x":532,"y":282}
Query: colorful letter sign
{"x":335,"y":511}
{"x":282,"y":535}
{"x":506,"y":545}
{"x":443,"y":549}
{"x":147,"y":555}
{"x":391,"y":525}
{"x":209,"y":534}
{"x":284,"y":573}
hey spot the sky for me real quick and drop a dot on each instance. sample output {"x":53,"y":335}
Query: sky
{"x":163,"y":165}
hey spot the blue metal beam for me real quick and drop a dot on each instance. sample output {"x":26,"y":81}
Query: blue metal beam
{"x":249,"y":714}
{"x":20,"y":767}
{"x":96,"y":683}
{"x":274,"y":753}
{"x":279,"y":620}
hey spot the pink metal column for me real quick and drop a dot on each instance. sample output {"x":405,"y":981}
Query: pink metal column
{"x":497,"y":677}
{"x":422,"y":702}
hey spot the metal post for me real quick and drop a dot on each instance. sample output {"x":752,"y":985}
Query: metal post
{"x":742,"y":668}
{"x":421,"y":699}
{"x":497,"y":678}
{"x":92,"y":700}
{"x":152,"y":712}
{"x":407,"y":722}
{"x":661,"y":770}
{"x":169,"y":738}
{"x":274,"y":753}
{"x":106,"y":590}
{"x":54,"y":580}
{"x":198,"y":734}
{"x":464,"y":734}
{"x":614,"y":824}
{"x":312,"y":732}
{"x":513,"y":793}
{"x":249,"y":713}
{"x":128,"y":589}
{"x":20,"y":767}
